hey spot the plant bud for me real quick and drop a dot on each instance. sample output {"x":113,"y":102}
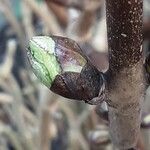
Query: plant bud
{"x":60,"y":64}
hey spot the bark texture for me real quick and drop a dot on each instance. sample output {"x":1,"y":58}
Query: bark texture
{"x":126,"y":81}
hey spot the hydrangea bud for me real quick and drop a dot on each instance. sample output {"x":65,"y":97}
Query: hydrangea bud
{"x":60,"y":64}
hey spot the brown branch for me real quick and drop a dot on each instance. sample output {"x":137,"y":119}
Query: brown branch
{"x":46,"y":16}
{"x":77,"y":4}
{"x":5,"y":130}
{"x":44,"y":134}
{"x":27,"y":20}
{"x":60,"y":12}
{"x":81,"y":29}
{"x":124,"y":25}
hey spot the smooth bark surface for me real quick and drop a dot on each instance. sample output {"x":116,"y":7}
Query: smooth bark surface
{"x":126,"y":81}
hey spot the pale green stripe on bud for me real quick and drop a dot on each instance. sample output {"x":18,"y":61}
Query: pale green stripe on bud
{"x":43,"y":60}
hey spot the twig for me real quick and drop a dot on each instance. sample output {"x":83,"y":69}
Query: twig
{"x":45,"y":118}
{"x":74,"y":130}
{"x":27,"y":20}
{"x":28,"y":89}
{"x":5,"y":98}
{"x":81,"y":29}
{"x":81,"y":5}
{"x":47,"y":16}
{"x":124,"y":26}
{"x":16,"y":110}
{"x":7,"y":65}
{"x":44,"y":128}
{"x":11,"y":135}
{"x":60,"y":13}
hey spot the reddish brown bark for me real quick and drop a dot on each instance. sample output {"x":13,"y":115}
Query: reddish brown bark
{"x":126,"y":81}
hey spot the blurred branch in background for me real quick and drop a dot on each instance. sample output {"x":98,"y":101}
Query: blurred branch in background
{"x":82,"y":5}
{"x":46,"y":16}
{"x":8,"y":13}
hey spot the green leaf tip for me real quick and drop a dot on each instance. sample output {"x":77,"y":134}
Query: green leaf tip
{"x":43,"y":60}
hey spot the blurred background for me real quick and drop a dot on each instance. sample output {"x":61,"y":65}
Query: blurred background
{"x":32,"y":117}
